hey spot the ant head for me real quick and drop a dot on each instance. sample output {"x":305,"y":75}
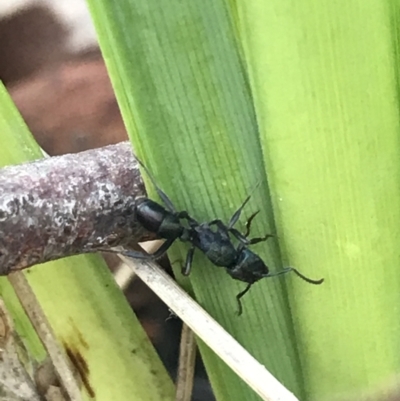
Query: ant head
{"x":249,"y":267}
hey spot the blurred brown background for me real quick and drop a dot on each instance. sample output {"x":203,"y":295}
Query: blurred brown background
{"x":59,"y":84}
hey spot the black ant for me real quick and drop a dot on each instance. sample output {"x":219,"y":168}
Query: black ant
{"x":240,"y":262}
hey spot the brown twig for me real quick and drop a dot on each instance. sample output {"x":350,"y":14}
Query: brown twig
{"x":68,"y":205}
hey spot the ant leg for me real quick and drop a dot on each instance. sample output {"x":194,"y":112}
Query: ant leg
{"x":245,"y":241}
{"x":248,"y":223}
{"x":141,"y":255}
{"x":130,"y":254}
{"x":248,"y":227}
{"x":239,"y":236}
{"x":219,"y":223}
{"x":223,"y":229}
{"x":260,"y":239}
{"x":163,"y":196}
{"x":235,"y":217}
{"x":243,"y":237}
{"x":240,"y":295}
{"x":292,"y":269}
{"x":162,"y":249}
{"x":188,"y":264}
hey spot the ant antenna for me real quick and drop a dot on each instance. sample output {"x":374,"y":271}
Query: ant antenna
{"x":308,"y":280}
{"x":284,"y":271}
{"x":163,"y":196}
{"x":235,"y":217}
{"x":292,"y":269}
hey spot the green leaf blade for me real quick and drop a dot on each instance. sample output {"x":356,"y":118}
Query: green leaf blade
{"x":190,"y":115}
{"x":324,"y":81}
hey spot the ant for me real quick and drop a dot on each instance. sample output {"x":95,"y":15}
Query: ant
{"x":240,"y":262}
